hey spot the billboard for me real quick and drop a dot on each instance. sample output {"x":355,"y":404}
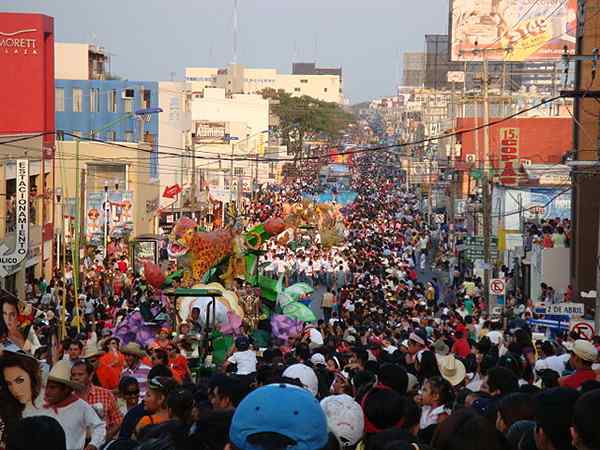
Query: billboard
{"x":531,"y":30}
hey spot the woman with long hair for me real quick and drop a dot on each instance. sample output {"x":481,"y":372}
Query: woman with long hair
{"x":20,"y":388}
{"x":11,"y":332}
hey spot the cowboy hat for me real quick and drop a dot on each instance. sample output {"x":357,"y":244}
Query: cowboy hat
{"x":133,"y":348}
{"x":452,"y":369}
{"x":61,"y":373}
{"x":92,"y":351}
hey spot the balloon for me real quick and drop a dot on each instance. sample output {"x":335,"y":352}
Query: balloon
{"x":274,"y":225}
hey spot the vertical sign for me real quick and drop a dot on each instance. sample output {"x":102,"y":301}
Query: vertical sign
{"x":509,"y":156}
{"x":8,"y":261}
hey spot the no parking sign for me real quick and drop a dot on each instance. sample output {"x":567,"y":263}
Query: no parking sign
{"x":497,"y":286}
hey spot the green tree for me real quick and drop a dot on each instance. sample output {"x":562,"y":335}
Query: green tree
{"x":304,"y":116}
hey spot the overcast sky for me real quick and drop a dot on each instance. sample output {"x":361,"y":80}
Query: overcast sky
{"x":150,"y":39}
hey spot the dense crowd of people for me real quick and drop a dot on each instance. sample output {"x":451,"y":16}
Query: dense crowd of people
{"x":400,"y":359}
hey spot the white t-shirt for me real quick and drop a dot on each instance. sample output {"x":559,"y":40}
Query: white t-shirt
{"x":245,"y":362}
{"x":556,"y":363}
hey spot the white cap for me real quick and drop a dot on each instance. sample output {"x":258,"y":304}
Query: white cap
{"x":305,"y":374}
{"x":318,"y":358}
{"x":344,"y":419}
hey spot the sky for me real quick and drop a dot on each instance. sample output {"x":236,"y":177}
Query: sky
{"x":152,"y":39}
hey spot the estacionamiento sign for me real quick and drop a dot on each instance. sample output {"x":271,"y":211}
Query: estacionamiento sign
{"x":22,"y":221}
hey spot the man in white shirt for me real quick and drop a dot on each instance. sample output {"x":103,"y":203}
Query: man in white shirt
{"x":244,"y":358}
{"x":77,"y":417}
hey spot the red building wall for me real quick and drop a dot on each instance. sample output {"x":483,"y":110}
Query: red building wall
{"x":543,"y":140}
{"x":27,"y":74}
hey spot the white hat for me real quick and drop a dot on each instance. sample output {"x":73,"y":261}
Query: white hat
{"x":345,"y":419}
{"x":585,"y":350}
{"x":305,"y":374}
{"x":318,"y":358}
{"x":61,"y":373}
{"x":452,"y":369}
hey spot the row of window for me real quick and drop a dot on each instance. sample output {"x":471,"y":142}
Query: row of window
{"x":112,"y":99}
{"x":107,"y":135}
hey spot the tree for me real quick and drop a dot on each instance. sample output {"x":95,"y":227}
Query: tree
{"x":303,"y":116}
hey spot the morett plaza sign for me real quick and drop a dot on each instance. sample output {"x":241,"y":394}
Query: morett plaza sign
{"x":19,"y":253}
{"x":14,"y":43}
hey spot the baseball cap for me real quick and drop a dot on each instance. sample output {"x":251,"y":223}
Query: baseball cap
{"x":344,"y":419}
{"x":317,"y":359}
{"x":283,"y":409}
{"x":305,"y":374}
{"x":585,"y":350}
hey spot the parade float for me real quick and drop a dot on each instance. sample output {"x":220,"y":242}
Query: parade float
{"x":218,"y":276}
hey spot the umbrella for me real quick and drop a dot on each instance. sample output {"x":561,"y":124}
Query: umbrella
{"x":300,"y":312}
{"x":298,"y":289}
{"x":233,"y":324}
{"x":284,"y":327}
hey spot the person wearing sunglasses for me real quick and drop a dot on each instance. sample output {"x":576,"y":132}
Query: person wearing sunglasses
{"x":129,"y":394}
{"x":155,"y":402}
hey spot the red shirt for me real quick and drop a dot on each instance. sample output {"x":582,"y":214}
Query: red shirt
{"x":575,"y":380}
{"x":461,"y":348}
{"x":112,"y":415}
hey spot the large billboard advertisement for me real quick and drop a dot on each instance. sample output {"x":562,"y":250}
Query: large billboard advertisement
{"x":512,"y":30}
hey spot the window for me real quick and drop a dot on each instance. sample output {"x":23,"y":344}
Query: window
{"x":296,"y":89}
{"x":324,"y":89}
{"x":77,"y":100}
{"x":94,"y":100}
{"x":111,"y":135}
{"x":128,"y":136}
{"x":304,"y":81}
{"x":127,"y":105}
{"x":112,"y":100}
{"x":59,"y":99}
{"x":146,"y":96}
{"x":238,"y":171}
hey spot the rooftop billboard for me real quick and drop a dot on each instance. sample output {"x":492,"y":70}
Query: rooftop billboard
{"x":511,"y":30}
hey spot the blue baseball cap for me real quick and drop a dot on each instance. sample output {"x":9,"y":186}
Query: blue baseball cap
{"x":283,"y":409}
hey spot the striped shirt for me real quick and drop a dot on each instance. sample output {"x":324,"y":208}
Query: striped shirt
{"x":140,"y":373}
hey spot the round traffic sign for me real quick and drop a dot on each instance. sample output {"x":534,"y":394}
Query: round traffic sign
{"x":497,"y":286}
{"x":584,"y":329}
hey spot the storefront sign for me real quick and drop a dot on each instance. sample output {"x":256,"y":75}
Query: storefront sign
{"x":22,"y":221}
{"x":13,"y":42}
{"x":509,"y":156}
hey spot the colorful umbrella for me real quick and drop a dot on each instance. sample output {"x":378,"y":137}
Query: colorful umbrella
{"x":284,"y":327}
{"x":300,"y":312}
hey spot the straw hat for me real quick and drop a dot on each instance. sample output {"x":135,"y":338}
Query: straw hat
{"x":133,"y":348}
{"x":61,"y":373}
{"x":92,"y":351}
{"x":452,"y":369}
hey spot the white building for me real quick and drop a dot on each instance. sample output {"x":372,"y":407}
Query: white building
{"x":174,"y":134}
{"x":237,"y":79}
{"x":75,"y":61}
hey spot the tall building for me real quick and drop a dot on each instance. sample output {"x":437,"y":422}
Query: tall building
{"x":303,"y":68}
{"x":26,"y":149}
{"x":238,"y":79}
{"x":413,"y":69}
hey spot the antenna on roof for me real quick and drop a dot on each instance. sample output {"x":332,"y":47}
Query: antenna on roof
{"x":235,"y":31}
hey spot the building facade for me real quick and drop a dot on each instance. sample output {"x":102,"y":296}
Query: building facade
{"x":105,"y":108}
{"x":75,"y":61}
{"x":26,"y":134}
{"x":237,"y":79}
{"x":413,"y":69}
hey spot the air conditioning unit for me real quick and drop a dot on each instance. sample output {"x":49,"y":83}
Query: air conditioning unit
{"x":470,"y":158}
{"x":128,"y":93}
{"x":526,"y":162}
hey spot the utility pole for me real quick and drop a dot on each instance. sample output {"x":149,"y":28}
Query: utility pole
{"x":193,"y":199}
{"x":486,"y":185}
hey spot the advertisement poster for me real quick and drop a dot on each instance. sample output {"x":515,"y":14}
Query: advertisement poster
{"x":94,"y":217}
{"x":121,"y":213}
{"x":512,"y":30}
